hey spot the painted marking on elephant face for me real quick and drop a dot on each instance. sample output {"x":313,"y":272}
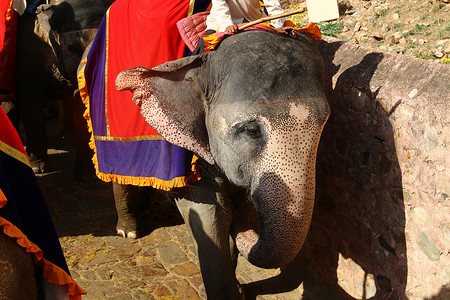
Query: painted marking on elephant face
{"x":222,"y":125}
{"x":299,"y":112}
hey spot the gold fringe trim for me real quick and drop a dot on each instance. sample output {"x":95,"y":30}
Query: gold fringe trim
{"x":51,"y":272}
{"x":145,"y":181}
{"x":13,"y":152}
{"x":108,"y":132}
{"x":129,"y":139}
{"x":85,"y":98}
{"x":191,"y":7}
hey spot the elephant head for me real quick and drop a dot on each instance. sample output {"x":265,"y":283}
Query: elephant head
{"x":68,"y":27}
{"x":256,"y":107}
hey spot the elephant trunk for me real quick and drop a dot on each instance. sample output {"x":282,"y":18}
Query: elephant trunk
{"x":283,"y":190}
{"x":285,"y":215}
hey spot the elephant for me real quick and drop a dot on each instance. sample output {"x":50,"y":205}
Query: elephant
{"x":32,"y":263}
{"x":20,"y":283}
{"x":253,"y":111}
{"x":50,"y":44}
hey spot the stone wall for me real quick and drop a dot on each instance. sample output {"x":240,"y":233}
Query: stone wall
{"x":381,"y":225}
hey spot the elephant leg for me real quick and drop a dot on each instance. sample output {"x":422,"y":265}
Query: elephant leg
{"x":84,"y":168}
{"x":31,"y":110}
{"x":127,"y":198}
{"x":17,"y":271}
{"x":206,"y":210}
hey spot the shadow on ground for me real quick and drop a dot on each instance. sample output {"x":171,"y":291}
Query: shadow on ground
{"x":359,"y":218}
{"x":81,"y":208}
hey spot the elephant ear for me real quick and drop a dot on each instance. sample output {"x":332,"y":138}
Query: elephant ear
{"x":42,"y":25}
{"x":44,"y":31}
{"x":172,"y":101}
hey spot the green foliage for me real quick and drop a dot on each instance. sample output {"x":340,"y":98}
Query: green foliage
{"x":425,"y":16}
{"x":331,"y":28}
{"x":377,"y":44}
{"x":381,"y":13}
{"x":424,"y":55}
{"x":418,"y":29}
{"x":444,"y":32}
{"x":397,"y":26}
{"x":411,"y":45}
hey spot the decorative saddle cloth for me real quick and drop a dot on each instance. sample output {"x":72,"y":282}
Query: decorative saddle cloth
{"x":8,"y":33}
{"x":193,"y":27}
{"x":128,"y":150}
{"x":24,"y":215}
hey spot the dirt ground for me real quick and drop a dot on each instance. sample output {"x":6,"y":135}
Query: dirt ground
{"x":419,"y":28}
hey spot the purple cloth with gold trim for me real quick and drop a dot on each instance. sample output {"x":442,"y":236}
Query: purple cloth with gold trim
{"x":127,"y":149}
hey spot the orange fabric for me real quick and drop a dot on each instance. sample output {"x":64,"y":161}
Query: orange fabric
{"x":313,"y":30}
{"x":195,"y":172}
{"x":212,"y":40}
{"x":2,"y":199}
{"x":289,"y":23}
{"x":51,"y":272}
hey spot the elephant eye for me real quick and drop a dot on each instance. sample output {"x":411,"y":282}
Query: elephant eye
{"x":250,"y":129}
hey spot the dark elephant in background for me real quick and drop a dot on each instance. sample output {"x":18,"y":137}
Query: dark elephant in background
{"x":20,"y":281}
{"x":50,"y":44}
{"x":253,"y":110}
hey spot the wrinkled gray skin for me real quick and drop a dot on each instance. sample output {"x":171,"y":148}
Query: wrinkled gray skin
{"x":49,"y":49}
{"x":253,"y":110}
{"x":18,"y":280}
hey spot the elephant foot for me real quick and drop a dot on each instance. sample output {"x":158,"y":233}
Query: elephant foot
{"x":127,"y":230}
{"x":85,"y":177}
{"x":38,"y":165}
{"x":130,"y":234}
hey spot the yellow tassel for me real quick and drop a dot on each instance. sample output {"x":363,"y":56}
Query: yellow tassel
{"x":211,"y":41}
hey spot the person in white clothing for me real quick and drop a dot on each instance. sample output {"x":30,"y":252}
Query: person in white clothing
{"x":225,"y":15}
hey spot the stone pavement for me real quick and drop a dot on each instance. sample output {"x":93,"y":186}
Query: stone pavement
{"x":160,"y":265}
